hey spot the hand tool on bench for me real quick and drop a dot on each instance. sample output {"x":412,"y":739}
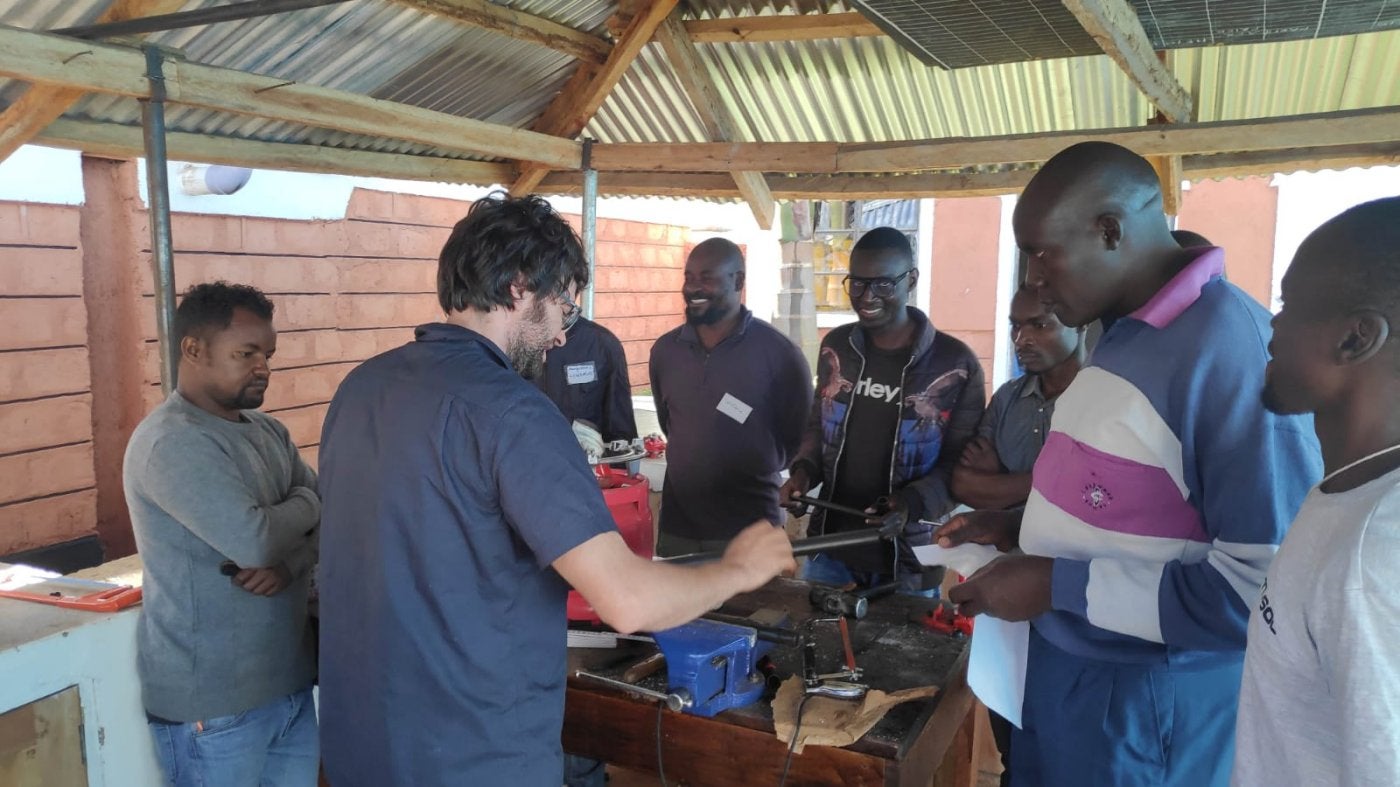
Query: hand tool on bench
{"x":891,"y":525}
{"x":840,"y":684}
{"x":848,"y":603}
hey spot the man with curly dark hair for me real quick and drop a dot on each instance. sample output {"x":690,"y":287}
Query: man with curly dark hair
{"x":459,"y":509}
{"x":217,"y":488}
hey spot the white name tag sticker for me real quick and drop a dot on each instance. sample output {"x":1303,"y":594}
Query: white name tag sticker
{"x":580,"y":373}
{"x":734,"y":408}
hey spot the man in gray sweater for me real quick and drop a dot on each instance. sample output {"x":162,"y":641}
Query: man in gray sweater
{"x":225,"y":514}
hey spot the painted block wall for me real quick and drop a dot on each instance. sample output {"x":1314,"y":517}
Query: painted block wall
{"x":348,"y":289}
{"x":47,"y":483}
{"x":345,"y":290}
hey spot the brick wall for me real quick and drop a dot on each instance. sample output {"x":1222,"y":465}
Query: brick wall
{"x":963,"y":275}
{"x":47,"y":491}
{"x":345,"y":290}
{"x":638,"y":288}
{"x":1238,"y":214}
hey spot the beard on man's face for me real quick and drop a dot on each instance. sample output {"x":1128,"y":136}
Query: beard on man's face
{"x":249,"y":397}
{"x":526,"y":348}
{"x":708,"y":316}
{"x":528,"y":361}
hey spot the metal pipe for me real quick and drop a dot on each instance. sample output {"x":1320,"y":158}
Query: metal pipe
{"x":774,"y":634}
{"x":806,"y":546}
{"x":676,"y":701}
{"x":590,"y":225}
{"x":158,"y":198}
{"x":194,"y":18}
{"x":830,"y":506}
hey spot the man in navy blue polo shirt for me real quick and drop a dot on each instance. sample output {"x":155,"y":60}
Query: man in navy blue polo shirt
{"x":731,"y":395}
{"x":457,"y":509}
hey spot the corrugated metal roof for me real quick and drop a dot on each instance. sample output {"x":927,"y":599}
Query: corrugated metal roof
{"x":870,"y":90}
{"x":962,"y":33}
{"x":856,"y":89}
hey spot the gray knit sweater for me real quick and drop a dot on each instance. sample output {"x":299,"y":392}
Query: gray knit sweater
{"x":202,"y":490}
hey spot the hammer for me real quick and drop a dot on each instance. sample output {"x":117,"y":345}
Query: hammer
{"x":845,"y":603}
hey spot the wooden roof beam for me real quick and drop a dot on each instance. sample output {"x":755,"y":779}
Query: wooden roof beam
{"x":112,"y":140}
{"x":40,"y":105}
{"x":1115,"y":26}
{"x":1268,"y":162}
{"x":719,"y":123}
{"x":103,"y":68}
{"x":962,"y":184}
{"x":585,"y":92}
{"x":1355,"y":127}
{"x":844,"y":187}
{"x":782,"y":27}
{"x":518,"y":25}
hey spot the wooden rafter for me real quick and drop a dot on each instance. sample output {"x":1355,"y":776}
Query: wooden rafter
{"x":785,"y":27}
{"x":846,"y":187}
{"x":1115,"y":26}
{"x":40,"y":105}
{"x":1229,"y":165}
{"x":585,"y":92}
{"x":719,"y":123}
{"x":103,"y":68}
{"x":519,"y":25}
{"x":112,"y":140}
{"x":963,"y":184}
{"x":118,"y":141}
{"x":1169,"y":174}
{"x":1356,"y":127}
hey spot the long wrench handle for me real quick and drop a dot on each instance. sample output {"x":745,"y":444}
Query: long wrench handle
{"x":806,"y":546}
{"x":830,"y":506}
{"x":676,"y":701}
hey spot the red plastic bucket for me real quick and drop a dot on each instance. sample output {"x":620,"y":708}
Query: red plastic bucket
{"x":627,"y":499}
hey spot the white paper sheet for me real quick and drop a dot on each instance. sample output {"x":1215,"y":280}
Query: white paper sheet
{"x":963,"y":558}
{"x":996,"y":668}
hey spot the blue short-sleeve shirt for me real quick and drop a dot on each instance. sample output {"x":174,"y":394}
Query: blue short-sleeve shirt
{"x":449,"y":485}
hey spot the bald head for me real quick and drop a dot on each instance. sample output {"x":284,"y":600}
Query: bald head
{"x":723,"y":251}
{"x":714,"y":277}
{"x":1333,"y":347}
{"x":1357,"y":255}
{"x":1092,"y":226}
{"x":1093,"y":178}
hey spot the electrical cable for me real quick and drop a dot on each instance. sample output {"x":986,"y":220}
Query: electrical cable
{"x":660,"y":769}
{"x":792,"y":744}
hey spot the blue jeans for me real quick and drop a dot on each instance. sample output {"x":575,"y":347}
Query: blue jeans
{"x":273,"y":745}
{"x":827,"y":570}
{"x":584,"y":772}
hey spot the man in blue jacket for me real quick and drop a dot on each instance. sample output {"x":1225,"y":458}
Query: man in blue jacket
{"x":897,"y":401}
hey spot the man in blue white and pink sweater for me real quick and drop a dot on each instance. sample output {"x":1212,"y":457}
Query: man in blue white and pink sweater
{"x":1158,"y":501}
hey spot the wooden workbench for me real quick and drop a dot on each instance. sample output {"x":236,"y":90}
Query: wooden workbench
{"x":917,"y":743}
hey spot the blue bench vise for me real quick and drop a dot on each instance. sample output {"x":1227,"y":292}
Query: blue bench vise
{"x":713,"y":664}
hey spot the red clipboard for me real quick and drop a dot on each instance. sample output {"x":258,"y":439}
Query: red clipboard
{"x":84,"y":594}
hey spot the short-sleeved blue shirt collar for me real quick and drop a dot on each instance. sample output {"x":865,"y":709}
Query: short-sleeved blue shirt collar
{"x":449,"y":332}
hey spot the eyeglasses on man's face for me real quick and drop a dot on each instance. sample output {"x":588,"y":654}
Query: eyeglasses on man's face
{"x":880,"y":286}
{"x":572,"y":311}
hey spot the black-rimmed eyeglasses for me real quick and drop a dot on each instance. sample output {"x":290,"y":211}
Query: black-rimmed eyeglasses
{"x":881,"y":286}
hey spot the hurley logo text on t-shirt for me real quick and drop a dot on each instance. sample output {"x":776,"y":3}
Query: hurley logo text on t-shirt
{"x":885,"y":393}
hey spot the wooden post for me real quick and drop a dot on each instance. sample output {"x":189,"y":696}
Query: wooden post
{"x":110,"y":229}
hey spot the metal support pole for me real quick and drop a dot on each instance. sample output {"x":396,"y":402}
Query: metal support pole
{"x":158,"y":198}
{"x":590,"y":225}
